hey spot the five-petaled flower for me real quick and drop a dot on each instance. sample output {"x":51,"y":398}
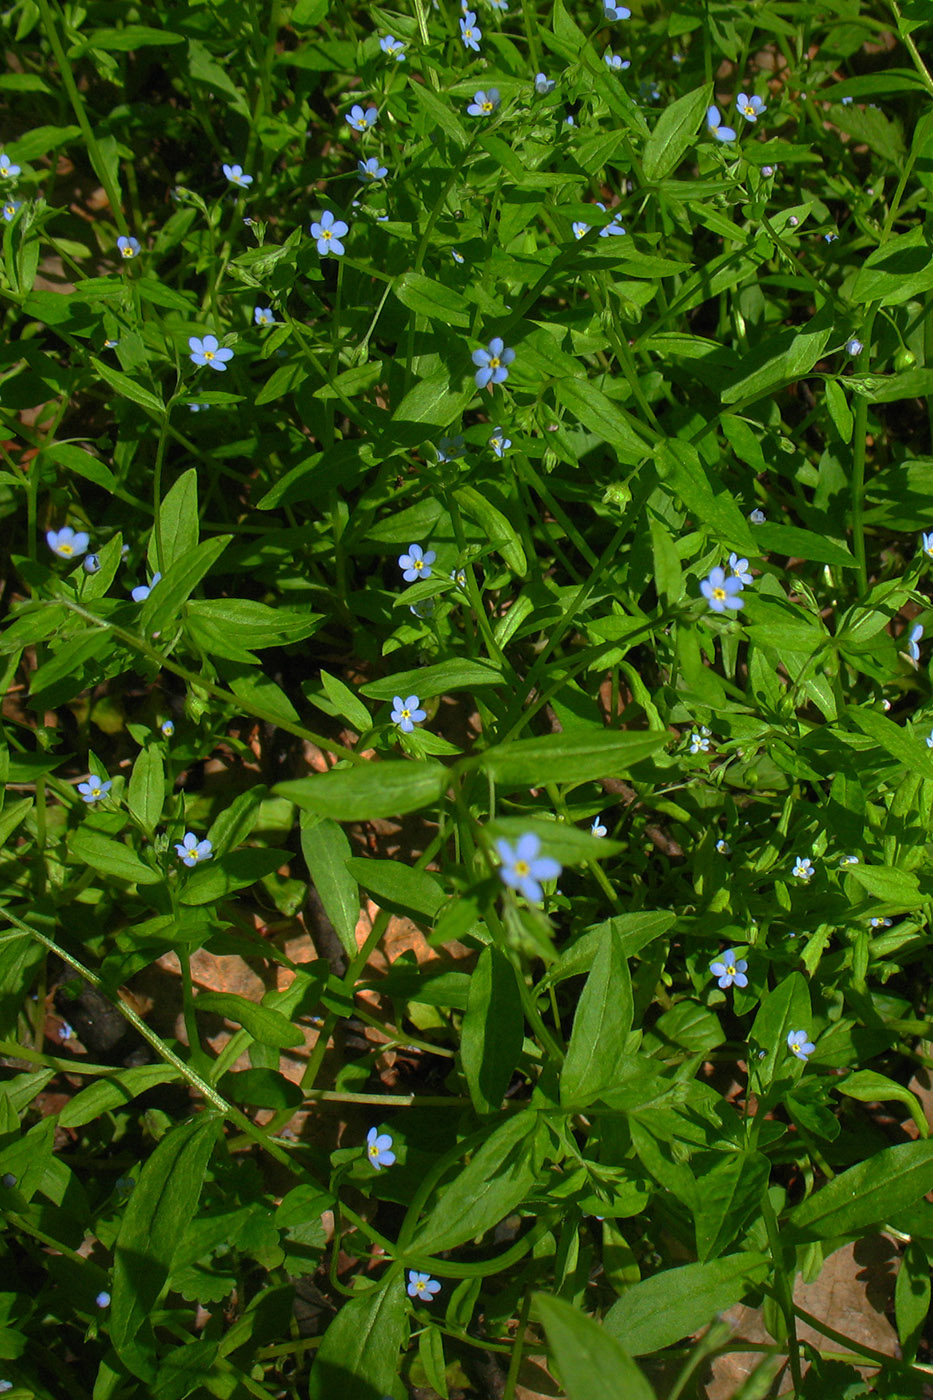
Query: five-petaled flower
{"x":393,"y":47}
{"x":8,"y":171}
{"x":927,"y":543}
{"x":799,"y":1045}
{"x":750,"y":107}
{"x":67,"y":542}
{"x":422,"y":1286}
{"x":209,"y":351}
{"x":597,"y":829}
{"x":699,"y":743}
{"x":615,"y":228}
{"x":723,"y":847}
{"x":580,"y":229}
{"x":730,"y":970}
{"x":191,"y":851}
{"x":95,"y":788}
{"x":721,"y":592}
{"x":715,"y":124}
{"x":360,"y":120}
{"x":168,"y":728}
{"x":739,"y":568}
{"x":416,"y":563}
{"x":263,"y":316}
{"x":803,"y":868}
{"x":544,"y":84}
{"x":499,"y":442}
{"x":470,"y":31}
{"x":328,"y":232}
{"x":493,"y":363}
{"x":407,"y":713}
{"x":142,"y":590}
{"x":234,"y":174}
{"x":128,"y":247}
{"x":854,"y":347}
{"x":614,"y":12}
{"x":523,"y":868}
{"x":913,"y":648}
{"x":379,"y":1148}
{"x":613,"y":61}
{"x":878,"y":921}
{"x":370,"y":170}
{"x":484,"y":103}
{"x":11,"y":209}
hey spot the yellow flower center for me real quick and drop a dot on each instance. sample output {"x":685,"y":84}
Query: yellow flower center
{"x":208,"y":354}
{"x":522,"y":868}
{"x":719,"y":594}
{"x":326,"y":234}
{"x":418,"y":564}
{"x":486,"y":106}
{"x":406,"y":714}
{"x":66,"y":549}
{"x":494,"y":362}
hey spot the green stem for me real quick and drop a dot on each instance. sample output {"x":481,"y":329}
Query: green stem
{"x":859,"y":434}
{"x":785,"y":1290}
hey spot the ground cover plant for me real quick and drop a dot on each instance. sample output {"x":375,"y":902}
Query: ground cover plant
{"x":466,"y":479}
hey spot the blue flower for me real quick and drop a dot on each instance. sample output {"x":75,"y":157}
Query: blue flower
{"x":11,"y":209}
{"x":416,"y":564}
{"x":234,"y":174}
{"x":580,"y":229}
{"x":328,"y":233}
{"x":499,"y":443}
{"x":799,"y":1045}
{"x":142,"y":590}
{"x":457,"y":257}
{"x":714,"y":122}
{"x":614,"y":229}
{"x":721,"y":592}
{"x":597,"y":829}
{"x":379,"y":1149}
{"x":614,"y":12}
{"x":649,"y":91}
{"x":613,"y":61}
{"x":191,"y":851}
{"x":95,"y":788}
{"x":879,"y":922}
{"x":360,"y":120}
{"x":830,"y":237}
{"x":848,"y":860}
{"x":422,"y":1286}
{"x":739,"y":568}
{"x":448,"y":448}
{"x":500,"y":5}
{"x":929,"y":740}
{"x":103,"y":1299}
{"x":913,"y":649}
{"x":723,"y":847}
{"x":484,"y":103}
{"x":927,"y":539}
{"x":66,"y":543}
{"x":198,"y":407}
{"x":854,"y":347}
{"x":407,"y":713}
{"x":757,"y":516}
{"x":393,"y":47}
{"x":803,"y":869}
{"x":750,"y":107}
{"x":470,"y":31}
{"x":369,"y":170}
{"x":493,"y":363}
{"x":209,"y":351}
{"x":523,"y":868}
{"x":66,"y":1032}
{"x":730,"y":971}
{"x":699,"y":743}
{"x":8,"y":171}
{"x":129,"y":247}
{"x":768,"y":170}
{"x":167,"y":728}
{"x":459,"y":577}
{"x":92,"y":563}
{"x":263,"y":316}
{"x":544,"y":84}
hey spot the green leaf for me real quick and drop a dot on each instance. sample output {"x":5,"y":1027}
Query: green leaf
{"x":785,"y":1008}
{"x":235,"y":871}
{"x":261,"y":1088}
{"x":492,"y":1032}
{"x":800,"y":544}
{"x":263,"y":1024}
{"x":868,"y":1086}
{"x":569,"y":758}
{"x":115,"y":1090}
{"x":592,"y":1364}
{"x":601,"y":1025}
{"x":659,"y":1311}
{"x":127,"y":388}
{"x":908,"y":748}
{"x":399,"y":887}
{"x":326,"y":850}
{"x":781,"y":358}
{"x":181,"y":579}
{"x":359,"y":1356}
{"x":147,"y":789}
{"x":912,"y":1298}
{"x":346,"y":704}
{"x":233,"y":626}
{"x":727,"y":1196}
{"x":595,"y":411}
{"x":499,"y":1176}
{"x":386,"y":789}
{"x":433,"y":402}
{"x":898,"y":888}
{"x":157,"y":1215}
{"x":679,"y":466}
{"x":497,"y":527}
{"x":428,"y":298}
{"x":900,"y":269}
{"x":425,"y":681}
{"x":111,"y":857}
{"x":866,"y":1195}
{"x":674,"y":133}
{"x":132,"y":36}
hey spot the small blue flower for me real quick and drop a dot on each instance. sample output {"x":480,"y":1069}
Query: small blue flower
{"x":499,"y":443}
{"x":416,"y":564}
{"x":142,"y":590}
{"x":739,"y":568}
{"x":360,"y":120}
{"x":5,"y":1385}
{"x":484,"y":103}
{"x":393,"y":47}
{"x":263,"y":316}
{"x":830,"y":237}
{"x":768,"y":170}
{"x":613,"y":61}
{"x":493,"y":363}
{"x":730,"y":971}
{"x":128,"y":247}
{"x":470,"y":31}
{"x":234,"y":174}
{"x":103,"y":1299}
{"x":65,"y":1032}
{"x":544,"y":84}
{"x":929,"y":740}
{"x":614,"y":229}
{"x":721,"y":592}
{"x":613,"y":12}
{"x":799,"y":1045}
{"x":597,"y":829}
{"x":198,"y":407}
{"x":523,"y":868}
{"x":209,"y":351}
{"x":11,"y":209}
{"x":95,"y":788}
{"x":459,"y":577}
{"x":854,"y":347}
{"x":757,"y":517}
{"x":649,"y":91}
{"x":927,"y":540}
{"x":370,"y":170}
{"x":846,"y":101}
{"x":422,"y":1286}
{"x":723,"y":847}
{"x":500,"y":5}
{"x":699,"y":743}
{"x":91,"y":563}
{"x":448,"y":448}
{"x":848,"y":860}
{"x":379,"y":1149}
{"x":457,"y":257}
{"x":580,"y":229}
{"x":714,"y":123}
{"x":750,"y":107}
{"x":191,"y":851}
{"x":803,"y":869}
{"x":913,"y":648}
{"x":879,"y":922}
{"x":66,"y":543}
{"x":8,"y":171}
{"x":167,"y":728}
{"x":328,"y":232}
{"x":407,"y":713}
